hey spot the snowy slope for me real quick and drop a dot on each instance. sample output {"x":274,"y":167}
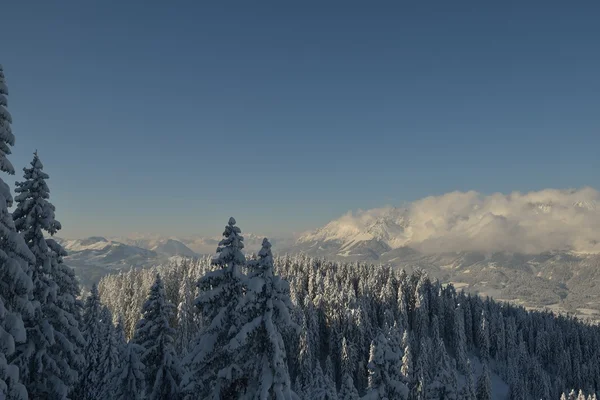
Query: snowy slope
{"x":97,"y":256}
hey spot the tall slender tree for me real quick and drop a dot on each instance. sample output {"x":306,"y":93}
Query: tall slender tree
{"x":92,"y":328}
{"x":259,"y":346}
{"x":484,"y":386}
{"x":128,"y":381}
{"x":16,"y":287}
{"x":49,"y":362}
{"x":109,"y":353}
{"x":154,"y":334}
{"x":211,"y":370}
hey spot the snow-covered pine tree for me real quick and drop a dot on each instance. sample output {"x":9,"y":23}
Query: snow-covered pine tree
{"x":459,"y":340}
{"x":50,"y":360}
{"x":185,"y":318}
{"x":348,"y":390}
{"x":156,"y":337}
{"x":109,"y":353}
{"x":120,"y":335}
{"x":407,"y":369}
{"x":128,"y":381}
{"x":68,"y":307}
{"x":484,"y":386}
{"x":444,"y":384}
{"x":16,"y":286}
{"x":483,"y":337}
{"x":92,"y":332}
{"x":319,"y":389}
{"x":259,"y":345}
{"x":211,"y":372}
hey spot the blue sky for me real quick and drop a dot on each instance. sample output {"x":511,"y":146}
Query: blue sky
{"x":169,"y":117}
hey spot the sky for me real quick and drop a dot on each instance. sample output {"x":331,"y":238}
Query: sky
{"x":169,"y":117}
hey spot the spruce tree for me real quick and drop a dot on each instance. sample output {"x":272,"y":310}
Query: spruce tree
{"x":109,"y":353}
{"x":50,"y":360}
{"x":92,"y":332}
{"x":156,"y":337}
{"x":484,"y":386}
{"x":67,"y":310}
{"x":128,"y":381}
{"x":259,"y":346}
{"x":211,"y":370}
{"x":348,"y":390}
{"x":16,"y":287}
{"x":185,"y":318}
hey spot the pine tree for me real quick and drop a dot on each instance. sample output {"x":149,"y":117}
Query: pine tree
{"x":484,"y":386}
{"x":67,"y":310}
{"x":348,"y":390}
{"x":51,"y":358}
{"x":259,"y":346}
{"x":348,"y":360}
{"x":16,"y":287}
{"x":185,"y":318}
{"x":460,"y":341}
{"x":212,"y":374}
{"x":467,"y":391}
{"x":92,"y":329}
{"x":444,"y":384}
{"x":120,"y":336}
{"x":109,"y":353}
{"x":319,"y":389}
{"x":155,"y":336}
{"x":483,"y":336}
{"x":407,"y":369}
{"x":128,"y":381}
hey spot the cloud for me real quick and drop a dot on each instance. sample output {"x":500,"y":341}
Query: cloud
{"x":531,"y":222}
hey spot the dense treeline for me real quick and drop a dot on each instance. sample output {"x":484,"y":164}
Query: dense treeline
{"x":372,"y":329}
{"x":260,"y":328}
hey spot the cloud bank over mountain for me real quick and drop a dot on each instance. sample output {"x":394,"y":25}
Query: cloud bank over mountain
{"x":529,"y":223}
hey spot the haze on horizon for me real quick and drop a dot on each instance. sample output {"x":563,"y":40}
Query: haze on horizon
{"x":168,"y":120}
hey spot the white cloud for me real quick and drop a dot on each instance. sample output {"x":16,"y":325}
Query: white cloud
{"x":531,"y":222}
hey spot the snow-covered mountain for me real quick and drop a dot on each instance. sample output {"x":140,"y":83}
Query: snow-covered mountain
{"x":99,"y":250}
{"x":530,"y":223}
{"x":161,"y":245}
{"x":193,"y":246}
{"x":96,"y":256}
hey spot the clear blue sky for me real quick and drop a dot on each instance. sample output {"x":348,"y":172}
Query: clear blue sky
{"x":168,"y":117}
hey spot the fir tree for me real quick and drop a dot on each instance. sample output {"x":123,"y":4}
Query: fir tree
{"x":109,"y":353}
{"x":155,"y":336}
{"x":16,"y":287}
{"x":185,"y":318}
{"x":212,"y":372}
{"x":92,"y":328}
{"x":51,"y":358}
{"x":259,"y":345}
{"x":128,"y":381}
{"x":319,"y":389}
{"x":348,"y":390}
{"x":484,"y":386}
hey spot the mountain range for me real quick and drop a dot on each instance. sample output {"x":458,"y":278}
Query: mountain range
{"x":540,"y":249}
